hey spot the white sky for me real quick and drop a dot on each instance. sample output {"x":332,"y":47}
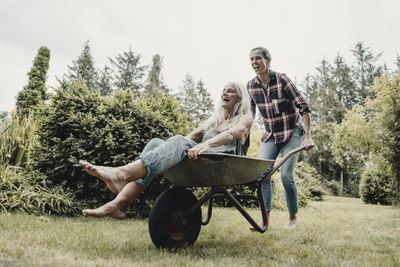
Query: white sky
{"x":209,"y":39}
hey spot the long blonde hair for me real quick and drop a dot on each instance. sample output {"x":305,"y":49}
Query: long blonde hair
{"x":241,"y":108}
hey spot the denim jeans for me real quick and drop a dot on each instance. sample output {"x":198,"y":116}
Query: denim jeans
{"x":159,"y":155}
{"x":270,"y":150}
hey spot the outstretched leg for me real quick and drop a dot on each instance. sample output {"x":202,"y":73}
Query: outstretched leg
{"x":117,"y":207}
{"x":116,"y":178}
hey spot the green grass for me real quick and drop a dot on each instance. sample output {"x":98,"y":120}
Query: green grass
{"x":335,"y":232}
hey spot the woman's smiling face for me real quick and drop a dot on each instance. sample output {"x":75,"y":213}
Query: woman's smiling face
{"x":258,"y":62}
{"x":229,"y":97}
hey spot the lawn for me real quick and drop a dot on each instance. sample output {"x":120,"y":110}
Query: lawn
{"x":334,"y":232}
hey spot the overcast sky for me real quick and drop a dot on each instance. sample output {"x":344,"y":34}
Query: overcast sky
{"x":209,"y":39}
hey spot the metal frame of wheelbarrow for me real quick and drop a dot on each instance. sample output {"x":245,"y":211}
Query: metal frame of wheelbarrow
{"x":180,"y":219}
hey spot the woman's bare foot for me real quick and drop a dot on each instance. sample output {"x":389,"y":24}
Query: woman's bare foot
{"x":115,"y":178}
{"x":292,"y":223}
{"x":110,"y":209}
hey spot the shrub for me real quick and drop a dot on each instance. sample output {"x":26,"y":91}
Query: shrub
{"x":376,"y":185}
{"x":333,"y":186}
{"x":112,"y":131}
{"x":25,"y":191}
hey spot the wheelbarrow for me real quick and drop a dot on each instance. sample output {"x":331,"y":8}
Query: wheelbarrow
{"x":175,"y":218}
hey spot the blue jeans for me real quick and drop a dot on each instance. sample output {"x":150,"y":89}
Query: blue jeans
{"x":270,"y":150}
{"x":159,"y":155}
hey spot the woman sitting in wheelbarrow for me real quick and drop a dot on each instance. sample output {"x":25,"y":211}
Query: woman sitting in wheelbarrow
{"x":224,"y":132}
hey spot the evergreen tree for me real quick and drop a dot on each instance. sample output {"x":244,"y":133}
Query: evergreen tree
{"x":187,"y":97}
{"x":83,"y":68}
{"x":105,"y":81}
{"x":35,"y":91}
{"x":365,"y":70}
{"x":155,"y":85}
{"x":398,"y":63}
{"x":205,"y":102}
{"x":196,"y":101}
{"x":344,"y":94}
{"x":128,"y":73}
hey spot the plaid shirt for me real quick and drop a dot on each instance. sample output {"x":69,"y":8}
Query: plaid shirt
{"x":280,"y":106}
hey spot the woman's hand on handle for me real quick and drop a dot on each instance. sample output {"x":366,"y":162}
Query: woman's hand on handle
{"x":308,"y":143}
{"x":195,"y":151}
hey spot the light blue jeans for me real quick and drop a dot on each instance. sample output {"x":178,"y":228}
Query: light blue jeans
{"x":270,"y":150}
{"x":159,"y":155}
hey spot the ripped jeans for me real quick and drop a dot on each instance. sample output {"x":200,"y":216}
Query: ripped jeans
{"x":159,"y":155}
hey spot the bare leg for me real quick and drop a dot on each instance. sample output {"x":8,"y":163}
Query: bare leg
{"x":117,"y":207}
{"x":292,"y":222}
{"x":116,"y":178}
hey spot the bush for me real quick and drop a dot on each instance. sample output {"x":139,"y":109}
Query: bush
{"x":309,"y":181}
{"x":112,"y":131}
{"x":376,"y":185}
{"x":25,"y":191}
{"x":334,"y":187}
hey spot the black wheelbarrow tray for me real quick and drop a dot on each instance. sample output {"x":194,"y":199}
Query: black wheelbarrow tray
{"x":175,"y":218}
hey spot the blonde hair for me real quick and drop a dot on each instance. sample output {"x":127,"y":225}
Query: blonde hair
{"x":241,"y":108}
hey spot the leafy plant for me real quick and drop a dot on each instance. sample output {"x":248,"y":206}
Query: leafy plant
{"x":16,"y":138}
{"x":25,"y":191}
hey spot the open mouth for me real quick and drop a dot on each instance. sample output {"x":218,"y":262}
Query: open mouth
{"x":225,"y":100}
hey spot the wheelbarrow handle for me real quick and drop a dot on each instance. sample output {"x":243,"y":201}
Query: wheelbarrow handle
{"x":283,"y":160}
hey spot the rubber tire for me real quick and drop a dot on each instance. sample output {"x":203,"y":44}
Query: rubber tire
{"x":166,"y":225}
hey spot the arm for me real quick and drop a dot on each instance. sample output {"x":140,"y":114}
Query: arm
{"x":294,"y":95}
{"x":238,"y":130}
{"x":252,"y":104}
{"x":197,"y":134}
{"x":307,"y":141}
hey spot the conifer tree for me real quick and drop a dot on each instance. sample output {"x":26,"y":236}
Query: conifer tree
{"x":365,"y":70}
{"x":155,"y":85}
{"x":35,"y":91}
{"x":206,"y":105}
{"x":196,"y":101}
{"x":83,"y":68}
{"x":128,"y":72}
{"x":105,"y":81}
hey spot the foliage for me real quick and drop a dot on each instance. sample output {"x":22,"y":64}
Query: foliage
{"x":3,"y":115}
{"x":128,"y":73}
{"x":16,"y":139}
{"x":35,"y":91}
{"x":25,"y":191}
{"x":171,"y":112}
{"x":372,"y":131}
{"x":332,"y":91}
{"x":255,"y":141}
{"x":83,"y":69}
{"x":195,"y":99}
{"x":376,"y":184}
{"x":365,"y":70}
{"x":333,"y":186}
{"x":80,"y":124}
{"x":154,"y":84}
{"x":105,"y":81}
{"x":321,"y":157}
{"x":384,"y":111}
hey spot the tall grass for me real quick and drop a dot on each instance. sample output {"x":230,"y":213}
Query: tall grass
{"x":20,"y":188}
{"x":16,"y":137}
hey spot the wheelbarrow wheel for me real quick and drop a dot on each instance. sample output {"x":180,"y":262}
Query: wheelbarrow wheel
{"x":169,"y":226}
